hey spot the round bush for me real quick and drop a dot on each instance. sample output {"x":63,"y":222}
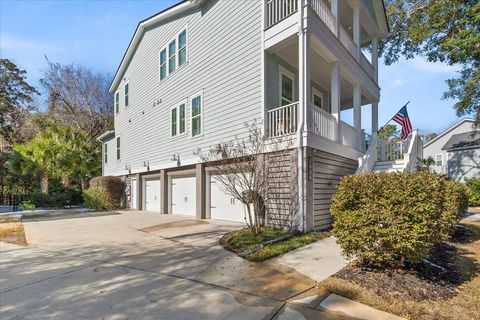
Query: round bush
{"x":114,"y":191}
{"x":390,"y":218}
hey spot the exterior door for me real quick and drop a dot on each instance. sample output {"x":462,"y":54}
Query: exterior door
{"x":152,"y":195}
{"x":184,"y":196}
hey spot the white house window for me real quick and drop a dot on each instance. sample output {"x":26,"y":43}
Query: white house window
{"x":174,"y":54}
{"x":182,"y":47}
{"x":171,"y":56}
{"x":118,"y":148}
{"x":286,"y":86}
{"x":196,"y":119}
{"x":126,"y":94}
{"x":117,"y":102}
{"x":177,"y":119}
{"x":318,"y":99}
{"x":163,"y":64}
{"x":439,"y":160}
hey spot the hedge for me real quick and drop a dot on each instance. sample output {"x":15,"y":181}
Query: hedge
{"x":473,"y":185}
{"x":391,"y":218}
{"x":113,"y":189}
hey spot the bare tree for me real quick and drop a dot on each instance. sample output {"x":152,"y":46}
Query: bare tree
{"x":79,"y":97}
{"x":245,"y":172}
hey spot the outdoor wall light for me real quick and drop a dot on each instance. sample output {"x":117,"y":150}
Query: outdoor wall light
{"x":128,"y":168}
{"x":176,"y":157}
{"x":147,"y":165}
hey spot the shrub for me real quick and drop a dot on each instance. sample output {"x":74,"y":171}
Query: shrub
{"x":95,"y":198}
{"x":114,"y":189}
{"x":473,"y":185}
{"x":57,"y":198}
{"x":386,"y":218}
{"x":27,"y":206}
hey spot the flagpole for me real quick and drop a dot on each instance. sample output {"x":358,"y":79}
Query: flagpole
{"x":393,"y":116}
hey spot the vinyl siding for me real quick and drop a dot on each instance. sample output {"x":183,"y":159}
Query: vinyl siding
{"x":224,"y":62}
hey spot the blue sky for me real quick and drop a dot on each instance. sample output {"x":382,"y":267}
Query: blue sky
{"x":96,"y":34}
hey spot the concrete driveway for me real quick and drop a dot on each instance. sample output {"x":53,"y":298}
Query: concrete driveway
{"x":140,"y":265}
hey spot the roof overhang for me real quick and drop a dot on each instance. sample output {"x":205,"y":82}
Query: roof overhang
{"x":106,"y":136}
{"x":381,"y":14}
{"x":448,"y":130}
{"x":137,"y":36}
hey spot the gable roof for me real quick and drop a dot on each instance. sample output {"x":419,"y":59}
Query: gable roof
{"x":456,"y":125}
{"x":464,"y":140}
{"x":178,"y":8}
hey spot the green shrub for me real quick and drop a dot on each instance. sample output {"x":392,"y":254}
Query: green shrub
{"x":114,"y":191}
{"x":95,"y":198}
{"x":473,"y":185}
{"x":386,"y":218}
{"x":27,"y":206}
{"x":57,"y":198}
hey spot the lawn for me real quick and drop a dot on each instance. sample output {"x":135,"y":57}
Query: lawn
{"x":242,"y":240}
{"x":421,"y":292}
{"x":11,"y":231}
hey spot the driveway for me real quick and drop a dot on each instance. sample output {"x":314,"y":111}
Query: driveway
{"x":140,"y":265}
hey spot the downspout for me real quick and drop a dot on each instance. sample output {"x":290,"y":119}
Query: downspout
{"x":301,"y":100}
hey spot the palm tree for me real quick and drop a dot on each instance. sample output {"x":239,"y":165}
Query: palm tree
{"x":428,"y":162}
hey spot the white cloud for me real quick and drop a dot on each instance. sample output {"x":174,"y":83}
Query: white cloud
{"x":433,"y":67}
{"x":398,"y":83}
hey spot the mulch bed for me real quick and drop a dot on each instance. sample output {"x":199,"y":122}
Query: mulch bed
{"x":419,"y":281}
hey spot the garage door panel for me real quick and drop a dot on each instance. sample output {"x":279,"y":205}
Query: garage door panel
{"x":184,"y":196}
{"x":152,"y":195}
{"x":223,"y":206}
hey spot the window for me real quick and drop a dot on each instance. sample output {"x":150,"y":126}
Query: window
{"x":163,"y":64}
{"x":171,"y":57}
{"x":439,"y":160}
{"x":286,"y":86}
{"x":182,"y":47}
{"x":126,"y":94}
{"x":174,"y":54}
{"x":118,"y":148}
{"x":317,"y":99}
{"x":105,"y":152}
{"x":177,"y":119}
{"x":117,"y":102}
{"x":196,"y":115}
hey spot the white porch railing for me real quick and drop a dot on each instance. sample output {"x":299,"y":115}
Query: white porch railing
{"x":367,"y":162}
{"x":322,"y":123}
{"x":348,"y":135}
{"x":324,"y":13}
{"x":415,"y":152}
{"x":277,"y":10}
{"x":283,"y":120}
{"x":347,"y":41}
{"x":366,"y":65}
{"x":392,"y":149}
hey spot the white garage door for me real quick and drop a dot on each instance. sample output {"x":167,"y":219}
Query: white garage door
{"x":152,"y":195}
{"x":224,"y":206}
{"x":183,"y":196}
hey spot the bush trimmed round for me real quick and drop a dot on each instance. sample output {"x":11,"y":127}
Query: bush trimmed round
{"x":114,"y":191}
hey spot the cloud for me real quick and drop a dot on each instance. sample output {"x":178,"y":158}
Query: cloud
{"x":398,"y":83}
{"x":433,"y":67}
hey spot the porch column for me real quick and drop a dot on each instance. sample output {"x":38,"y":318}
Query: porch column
{"x":357,"y":113}
{"x":356,"y":29}
{"x":334,"y":7}
{"x":375,"y":58}
{"x":374,"y":117}
{"x":164,"y":199}
{"x":335,"y":98}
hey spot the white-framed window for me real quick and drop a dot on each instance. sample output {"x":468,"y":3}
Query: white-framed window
{"x":118,"y":148}
{"x":174,"y":54}
{"x":439,"y":160}
{"x":317,"y":99}
{"x":117,"y":102}
{"x":287,"y":86}
{"x":126,"y":88}
{"x":178,"y":119}
{"x":196,"y":116}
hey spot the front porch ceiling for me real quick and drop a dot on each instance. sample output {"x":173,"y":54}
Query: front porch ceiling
{"x":320,"y":71}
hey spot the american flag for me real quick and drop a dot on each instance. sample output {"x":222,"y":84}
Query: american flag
{"x":402,"y":119}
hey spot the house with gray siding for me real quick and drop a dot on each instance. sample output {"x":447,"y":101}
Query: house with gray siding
{"x":195,"y":73}
{"x":456,"y":151}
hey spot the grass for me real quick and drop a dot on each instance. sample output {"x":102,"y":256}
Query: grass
{"x":242,"y":240}
{"x":11,"y":231}
{"x":462,"y":305}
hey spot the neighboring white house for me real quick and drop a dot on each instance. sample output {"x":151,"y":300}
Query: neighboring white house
{"x":456,"y":151}
{"x":194,"y":73}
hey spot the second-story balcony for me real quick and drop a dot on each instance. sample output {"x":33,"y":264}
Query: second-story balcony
{"x":351,"y":26}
